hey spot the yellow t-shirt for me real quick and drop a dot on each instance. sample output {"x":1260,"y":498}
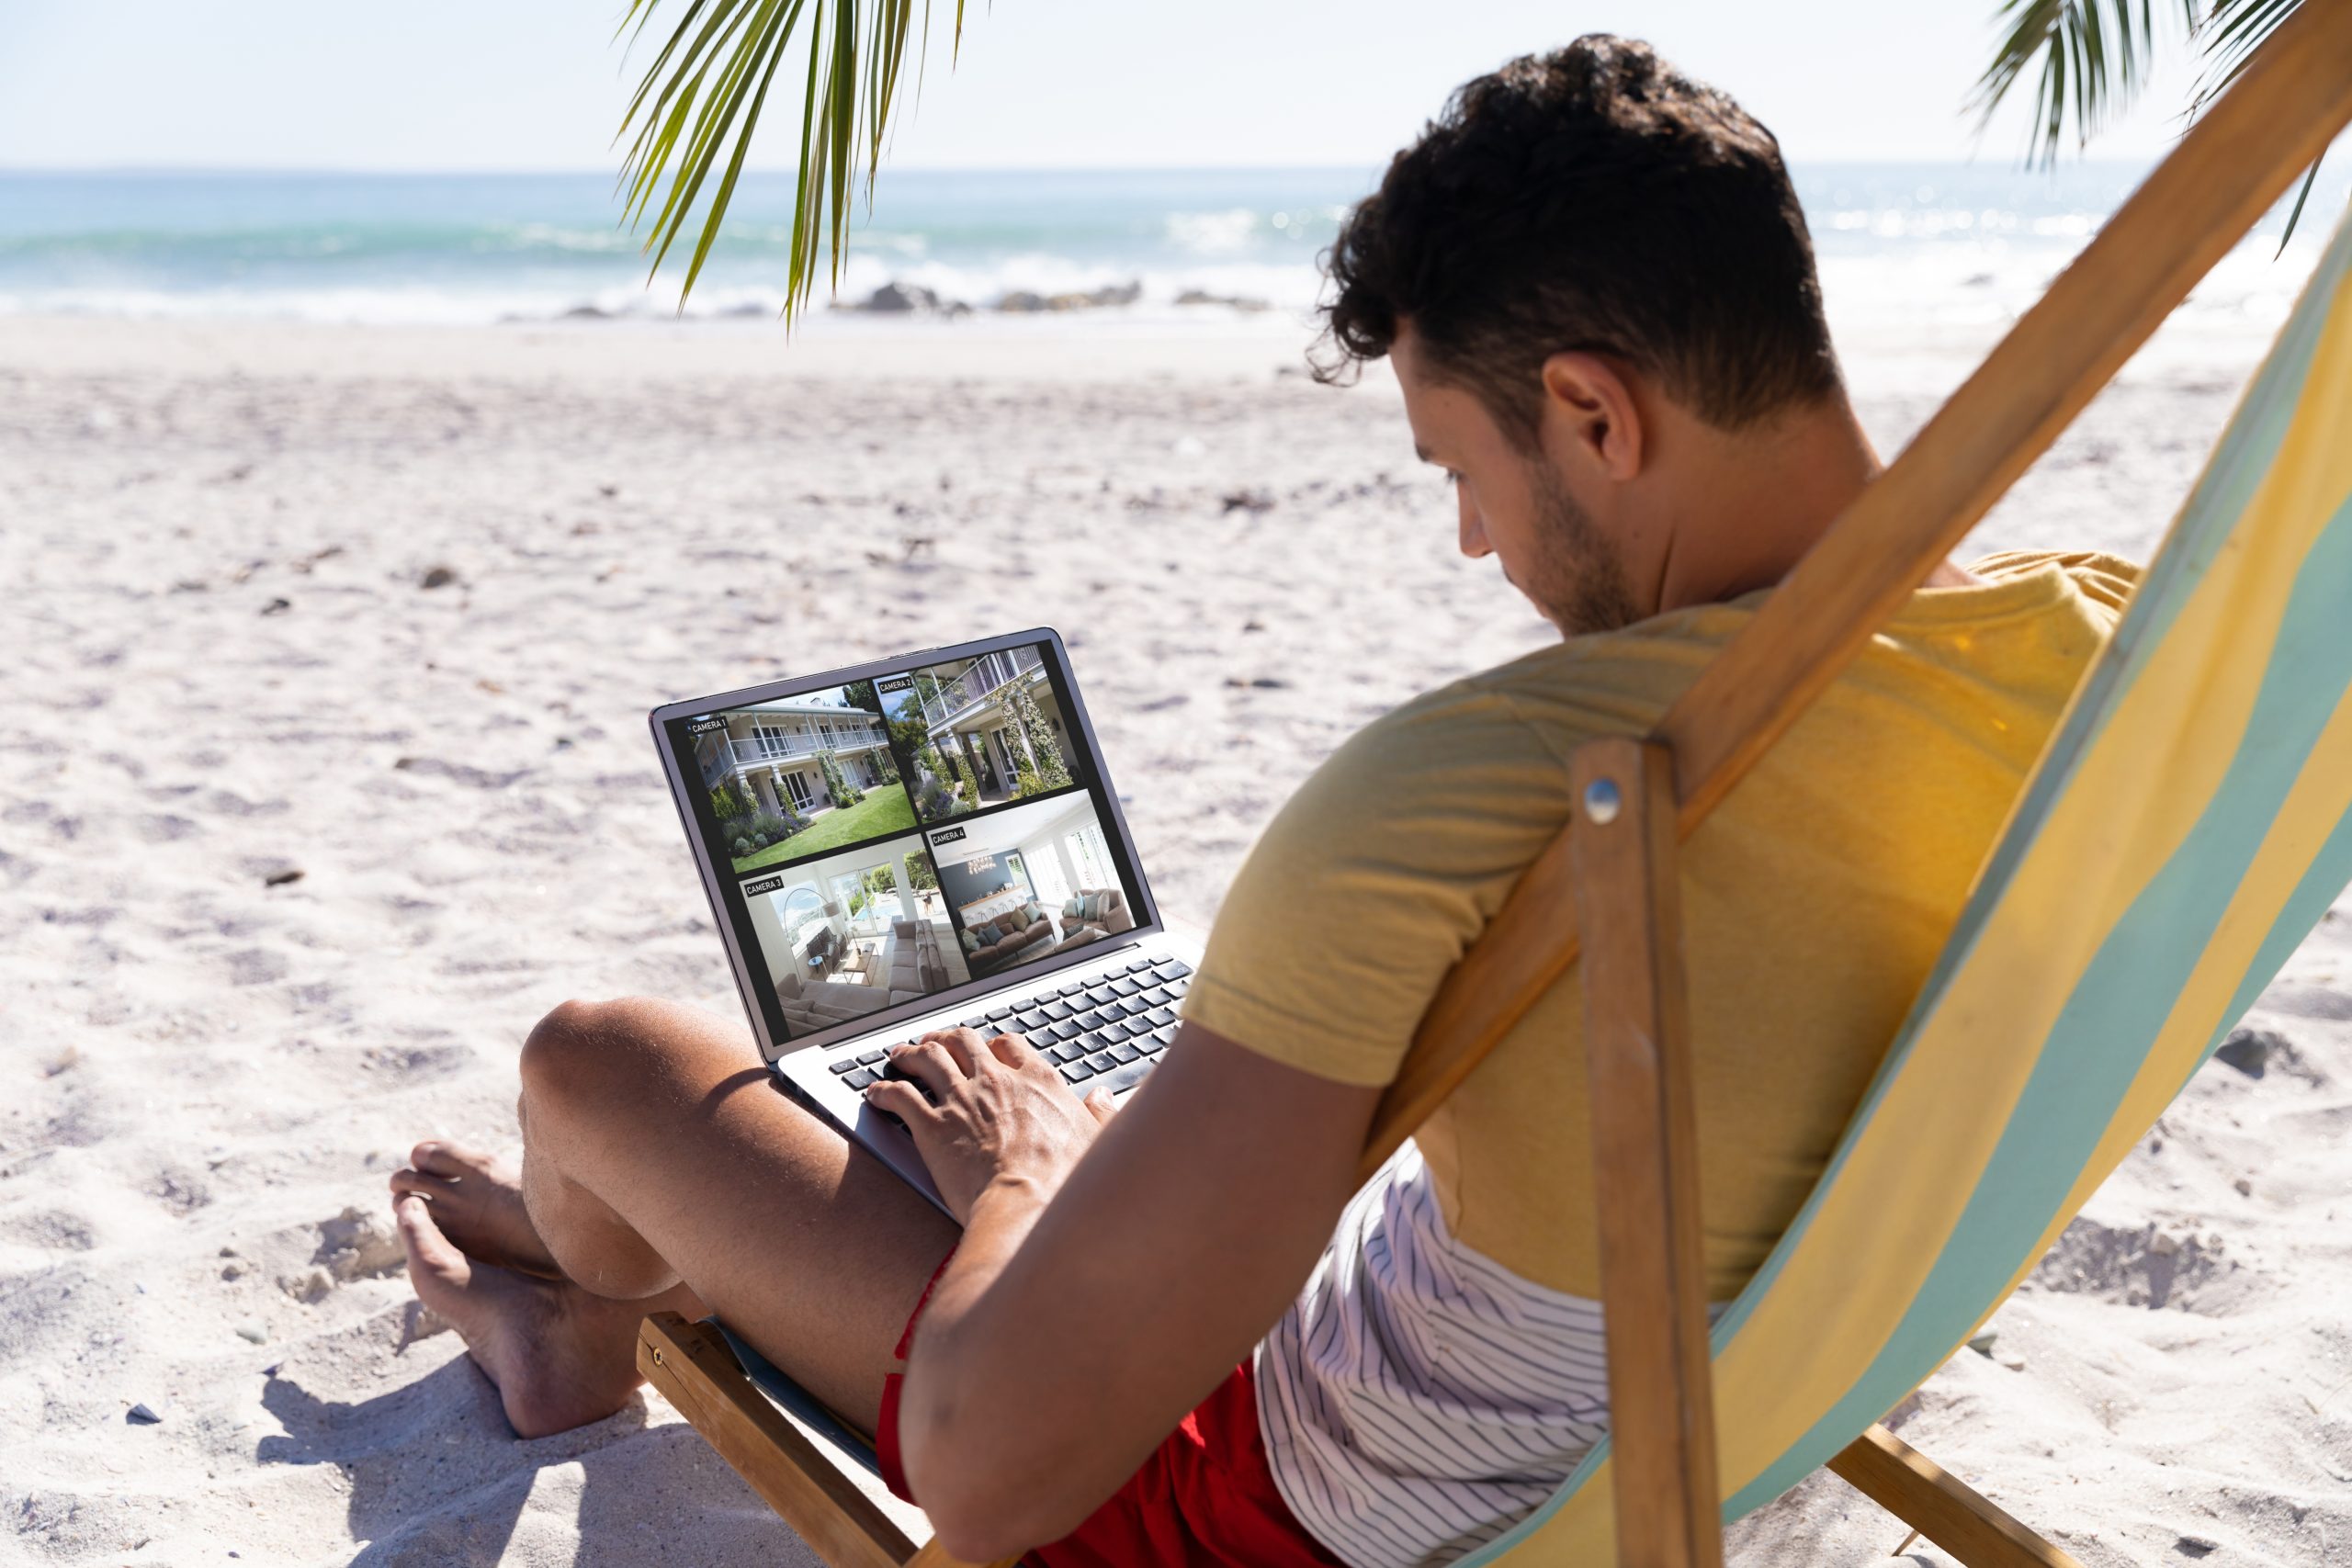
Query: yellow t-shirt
{"x":1815,"y":899}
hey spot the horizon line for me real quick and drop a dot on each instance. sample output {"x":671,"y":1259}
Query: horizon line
{"x":136,"y":170}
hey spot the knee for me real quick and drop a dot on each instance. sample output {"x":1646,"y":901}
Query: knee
{"x":582,"y":1053}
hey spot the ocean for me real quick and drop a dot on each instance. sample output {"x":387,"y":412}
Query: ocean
{"x":1900,"y":245}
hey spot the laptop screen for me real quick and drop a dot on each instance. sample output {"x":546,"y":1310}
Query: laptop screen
{"x":883,"y":844}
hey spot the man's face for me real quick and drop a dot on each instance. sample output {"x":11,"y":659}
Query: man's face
{"x":1516,"y":505}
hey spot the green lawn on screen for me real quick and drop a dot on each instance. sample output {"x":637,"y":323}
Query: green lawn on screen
{"x":885,"y":810}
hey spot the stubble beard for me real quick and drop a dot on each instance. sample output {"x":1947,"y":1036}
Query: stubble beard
{"x":1582,"y":586}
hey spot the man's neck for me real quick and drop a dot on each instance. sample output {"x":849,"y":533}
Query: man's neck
{"x":1759,"y":501}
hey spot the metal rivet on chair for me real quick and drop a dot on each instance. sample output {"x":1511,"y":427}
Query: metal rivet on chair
{"x":1601,"y":801}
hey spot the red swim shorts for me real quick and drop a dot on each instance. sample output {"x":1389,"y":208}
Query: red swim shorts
{"x":1205,"y":1498}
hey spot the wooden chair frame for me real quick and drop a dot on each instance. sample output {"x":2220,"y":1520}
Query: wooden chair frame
{"x":1637,"y":798}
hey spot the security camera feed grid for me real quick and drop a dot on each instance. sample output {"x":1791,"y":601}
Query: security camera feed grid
{"x":903,"y":835}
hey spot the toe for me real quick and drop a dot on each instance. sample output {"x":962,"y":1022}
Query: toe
{"x":429,"y":1252}
{"x":438,"y":1158}
{"x":417,"y":1182}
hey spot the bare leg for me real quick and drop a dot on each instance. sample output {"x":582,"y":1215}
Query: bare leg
{"x":662,"y":1166}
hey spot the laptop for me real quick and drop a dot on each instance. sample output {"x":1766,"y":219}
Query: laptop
{"x":918,"y":842}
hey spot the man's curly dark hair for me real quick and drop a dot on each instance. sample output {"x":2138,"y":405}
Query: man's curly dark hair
{"x":1592,"y":198}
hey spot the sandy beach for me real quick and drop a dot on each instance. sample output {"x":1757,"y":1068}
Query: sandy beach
{"x":323,"y":774}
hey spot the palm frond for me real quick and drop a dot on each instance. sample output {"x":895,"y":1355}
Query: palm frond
{"x":2231,"y":31}
{"x":2094,"y":56}
{"x":700,"y":101}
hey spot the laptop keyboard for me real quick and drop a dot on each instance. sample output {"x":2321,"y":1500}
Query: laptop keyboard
{"x":1107,"y":1031}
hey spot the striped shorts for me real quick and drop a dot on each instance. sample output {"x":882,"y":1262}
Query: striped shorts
{"x":1419,"y":1399}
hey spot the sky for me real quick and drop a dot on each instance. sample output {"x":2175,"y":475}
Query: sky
{"x":541,"y":85}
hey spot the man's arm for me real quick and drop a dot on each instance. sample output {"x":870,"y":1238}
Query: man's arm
{"x":1069,"y":1336}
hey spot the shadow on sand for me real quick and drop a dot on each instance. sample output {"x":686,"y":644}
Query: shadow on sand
{"x":434,"y":1476}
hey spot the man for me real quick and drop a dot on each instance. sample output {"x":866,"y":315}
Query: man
{"x":1177,"y":1334}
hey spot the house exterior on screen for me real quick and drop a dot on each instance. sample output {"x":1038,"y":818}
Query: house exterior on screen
{"x":769,"y":753}
{"x":970,"y":714}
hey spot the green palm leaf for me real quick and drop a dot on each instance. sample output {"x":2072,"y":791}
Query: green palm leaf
{"x":2232,"y":30}
{"x":699,"y":103}
{"x":2094,"y":56}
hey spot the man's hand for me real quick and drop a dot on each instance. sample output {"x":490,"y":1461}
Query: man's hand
{"x":1178,"y":1240}
{"x":999,"y":1115}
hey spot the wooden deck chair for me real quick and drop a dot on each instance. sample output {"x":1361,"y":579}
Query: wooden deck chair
{"x":2190,"y":820}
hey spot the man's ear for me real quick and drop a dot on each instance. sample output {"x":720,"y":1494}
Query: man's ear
{"x":1587,"y":404}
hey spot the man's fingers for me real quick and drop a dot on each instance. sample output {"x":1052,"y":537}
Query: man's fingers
{"x":1012,"y":1050}
{"x":900,"y":1099}
{"x":930,"y":1060}
{"x":1104,"y":1106}
{"x":962,"y":1045}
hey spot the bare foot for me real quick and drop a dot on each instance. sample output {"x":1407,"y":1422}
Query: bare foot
{"x":478,"y":1203}
{"x":559,"y":1356}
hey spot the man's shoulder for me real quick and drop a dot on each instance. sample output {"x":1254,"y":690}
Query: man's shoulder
{"x":1551,"y":698}
{"x":2103,"y":579}
{"x":1623,"y":681}
{"x":1376,"y":875}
